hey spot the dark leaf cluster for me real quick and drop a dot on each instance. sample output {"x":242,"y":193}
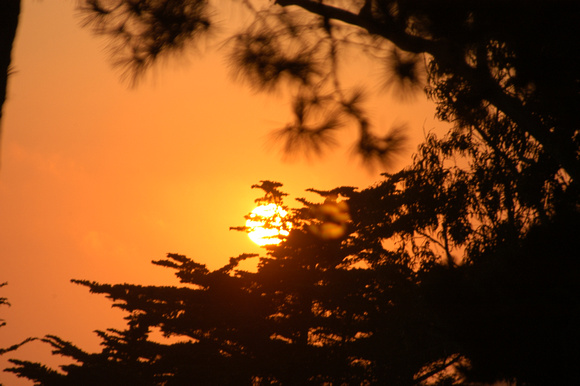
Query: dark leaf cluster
{"x":143,"y":31}
{"x":478,"y":61}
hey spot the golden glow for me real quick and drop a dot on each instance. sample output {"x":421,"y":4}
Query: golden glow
{"x":102,"y":174}
{"x":266,"y":225}
{"x":332,"y":219}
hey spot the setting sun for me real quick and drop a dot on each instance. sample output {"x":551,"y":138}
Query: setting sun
{"x":266,"y":225}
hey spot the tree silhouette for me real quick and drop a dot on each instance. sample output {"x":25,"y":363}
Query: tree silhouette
{"x":4,"y":350}
{"x":460,"y":268}
{"x":448,"y":272}
{"x":317,"y":310}
{"x":9,"y":13}
{"x":506,"y":62}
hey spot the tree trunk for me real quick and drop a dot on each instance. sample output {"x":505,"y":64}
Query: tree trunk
{"x":9,"y":13}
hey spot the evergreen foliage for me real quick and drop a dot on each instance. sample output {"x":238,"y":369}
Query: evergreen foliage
{"x":4,"y":350}
{"x":489,"y":66}
{"x":460,"y":268}
{"x":442,"y":277}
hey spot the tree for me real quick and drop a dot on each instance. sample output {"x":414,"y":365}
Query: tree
{"x":444,"y":275}
{"x":4,"y":301}
{"x":507,"y":61}
{"x":9,"y":13}
{"x":317,"y":310}
{"x":460,"y":268}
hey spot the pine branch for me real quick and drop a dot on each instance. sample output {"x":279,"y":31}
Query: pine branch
{"x":390,"y":31}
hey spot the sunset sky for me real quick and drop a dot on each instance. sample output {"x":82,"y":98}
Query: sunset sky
{"x":97,"y":179}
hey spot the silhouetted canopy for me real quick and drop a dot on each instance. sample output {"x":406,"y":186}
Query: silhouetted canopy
{"x":509,"y":62}
{"x":460,"y":268}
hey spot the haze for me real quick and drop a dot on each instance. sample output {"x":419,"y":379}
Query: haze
{"x":98,"y":179}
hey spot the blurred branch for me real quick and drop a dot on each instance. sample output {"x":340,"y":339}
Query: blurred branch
{"x":9,"y":13}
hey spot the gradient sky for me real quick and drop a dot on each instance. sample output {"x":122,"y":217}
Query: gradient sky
{"x":97,"y":179}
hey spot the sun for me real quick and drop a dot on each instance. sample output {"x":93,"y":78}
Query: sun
{"x":266,"y":225}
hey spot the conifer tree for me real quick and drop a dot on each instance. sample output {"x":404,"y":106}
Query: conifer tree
{"x":445,"y":274}
{"x":508,"y":62}
{"x":4,"y":350}
{"x":460,"y":268}
{"x":340,"y":310}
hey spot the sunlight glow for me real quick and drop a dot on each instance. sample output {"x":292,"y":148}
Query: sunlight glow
{"x":330,"y":219}
{"x":266,"y":225}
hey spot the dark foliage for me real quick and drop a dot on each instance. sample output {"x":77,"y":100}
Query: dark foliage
{"x":4,"y":350}
{"x":445,"y":275}
{"x":460,"y":268}
{"x":508,"y":61}
{"x":145,"y":30}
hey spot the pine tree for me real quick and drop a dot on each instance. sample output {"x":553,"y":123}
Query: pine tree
{"x":339,"y":310}
{"x":506,"y":62}
{"x":444,"y":274}
{"x":460,"y":268}
{"x":4,"y":350}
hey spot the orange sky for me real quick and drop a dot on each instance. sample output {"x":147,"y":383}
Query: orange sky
{"x":98,"y":179}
